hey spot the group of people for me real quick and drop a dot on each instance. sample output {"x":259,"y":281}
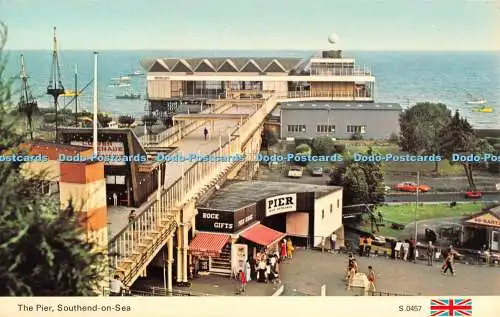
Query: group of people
{"x":448,"y":258}
{"x":403,"y":250}
{"x":365,"y":245}
{"x":264,"y":267}
{"x":352,"y":270}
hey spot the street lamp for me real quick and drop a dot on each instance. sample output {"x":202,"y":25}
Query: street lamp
{"x":416,"y":206}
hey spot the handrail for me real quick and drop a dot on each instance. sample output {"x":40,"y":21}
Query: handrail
{"x":329,"y":94}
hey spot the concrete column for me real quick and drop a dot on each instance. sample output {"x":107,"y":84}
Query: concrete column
{"x":179,"y":254}
{"x":185,"y":247}
{"x":170,"y":259}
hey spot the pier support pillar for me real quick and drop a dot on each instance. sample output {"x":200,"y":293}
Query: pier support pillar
{"x":185,"y":247}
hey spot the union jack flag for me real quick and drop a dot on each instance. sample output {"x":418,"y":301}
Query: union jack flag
{"x":451,"y":307}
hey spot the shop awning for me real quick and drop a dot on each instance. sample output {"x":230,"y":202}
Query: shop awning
{"x":262,"y":235}
{"x":208,"y":244}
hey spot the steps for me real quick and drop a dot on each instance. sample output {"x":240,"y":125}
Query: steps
{"x":222,"y":265}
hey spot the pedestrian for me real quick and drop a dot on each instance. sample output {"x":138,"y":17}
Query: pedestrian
{"x":248,"y":271}
{"x":371,"y":279}
{"x":430,"y":254}
{"x":406,"y":249}
{"x":368,"y":246}
{"x":393,"y":249}
{"x":283,"y":250}
{"x":289,"y":248}
{"x":205,"y":133}
{"x":243,"y":282}
{"x":361,"y":245}
{"x":116,"y":286}
{"x":397,"y":250}
{"x":448,"y":264}
{"x":333,"y":242}
{"x":323,"y":243}
{"x":351,"y":275}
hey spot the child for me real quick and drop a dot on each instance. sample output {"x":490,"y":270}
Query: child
{"x":371,"y":279}
{"x":243,"y":281}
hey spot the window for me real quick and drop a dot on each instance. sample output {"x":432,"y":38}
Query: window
{"x":115,"y":179}
{"x":324,"y":128}
{"x":356,"y":129}
{"x":331,"y":208}
{"x":297,"y":128}
{"x":323,"y":214}
{"x":338,"y":203}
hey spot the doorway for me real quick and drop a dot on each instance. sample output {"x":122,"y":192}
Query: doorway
{"x":495,"y":237}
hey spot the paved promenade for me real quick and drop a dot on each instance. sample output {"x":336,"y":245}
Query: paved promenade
{"x":194,"y":142}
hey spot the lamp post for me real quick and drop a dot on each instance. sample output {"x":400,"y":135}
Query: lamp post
{"x":416,"y":206}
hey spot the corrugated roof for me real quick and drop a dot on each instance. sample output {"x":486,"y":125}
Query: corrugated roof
{"x":315,"y":105}
{"x":275,"y":64}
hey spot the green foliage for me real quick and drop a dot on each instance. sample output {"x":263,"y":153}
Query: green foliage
{"x":104,"y":119}
{"x":420,"y":127}
{"x":323,"y":146}
{"x":299,"y":141}
{"x":394,"y":138}
{"x":356,"y":136}
{"x":126,"y":120}
{"x":340,"y":148}
{"x":42,"y":251}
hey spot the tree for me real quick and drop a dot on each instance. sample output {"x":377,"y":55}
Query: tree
{"x":356,"y":136}
{"x":458,"y":137}
{"x":323,"y":146}
{"x":300,"y":151}
{"x":104,"y":119}
{"x":420,"y":127}
{"x":126,"y":120}
{"x":41,"y":248}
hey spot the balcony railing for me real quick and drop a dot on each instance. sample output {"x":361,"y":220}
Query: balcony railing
{"x":328,"y":94}
{"x":345,"y":71}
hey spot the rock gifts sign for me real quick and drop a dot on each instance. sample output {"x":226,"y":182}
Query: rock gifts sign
{"x":281,"y":204}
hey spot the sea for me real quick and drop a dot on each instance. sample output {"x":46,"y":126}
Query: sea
{"x":401,"y":77}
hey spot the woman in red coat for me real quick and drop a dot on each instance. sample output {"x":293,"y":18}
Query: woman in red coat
{"x":283,"y":250}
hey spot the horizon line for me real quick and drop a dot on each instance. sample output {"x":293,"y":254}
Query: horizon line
{"x":255,"y":49}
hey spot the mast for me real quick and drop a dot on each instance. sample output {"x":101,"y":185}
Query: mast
{"x":94,"y":128}
{"x":27,"y":104}
{"x":76,"y":95}
{"x":55,"y":87}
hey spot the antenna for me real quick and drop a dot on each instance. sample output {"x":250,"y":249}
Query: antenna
{"x":27,"y":104}
{"x":55,"y":87}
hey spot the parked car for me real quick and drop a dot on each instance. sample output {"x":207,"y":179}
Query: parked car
{"x":317,"y":171}
{"x":411,"y":187}
{"x":473,"y":194}
{"x":295,"y":171}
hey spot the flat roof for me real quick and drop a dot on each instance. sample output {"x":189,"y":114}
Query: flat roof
{"x":235,"y":195}
{"x":319,"y":105}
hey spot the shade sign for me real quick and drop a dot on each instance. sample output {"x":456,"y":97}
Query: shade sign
{"x":281,"y":204}
{"x":486,"y":220}
{"x":113,"y":151}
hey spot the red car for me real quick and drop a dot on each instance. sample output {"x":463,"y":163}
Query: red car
{"x":473,"y":194}
{"x":411,"y":187}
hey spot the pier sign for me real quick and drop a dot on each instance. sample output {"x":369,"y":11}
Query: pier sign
{"x":281,"y":204}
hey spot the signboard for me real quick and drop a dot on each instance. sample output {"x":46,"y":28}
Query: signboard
{"x":109,"y":149}
{"x":244,"y":217}
{"x":239,"y":257}
{"x":214,"y":220}
{"x":281,"y":204}
{"x":486,"y":220}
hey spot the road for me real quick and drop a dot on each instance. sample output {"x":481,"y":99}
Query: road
{"x":440,"y":197}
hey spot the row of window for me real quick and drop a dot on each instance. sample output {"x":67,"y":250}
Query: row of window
{"x":331,"y":209}
{"x":324,"y":128}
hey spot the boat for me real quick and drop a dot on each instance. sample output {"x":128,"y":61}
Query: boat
{"x":483,"y":109}
{"x":136,"y":73}
{"x":122,"y":81}
{"x":130,"y":96}
{"x":475,"y":101}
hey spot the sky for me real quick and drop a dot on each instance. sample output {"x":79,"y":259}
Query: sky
{"x":253,"y":24}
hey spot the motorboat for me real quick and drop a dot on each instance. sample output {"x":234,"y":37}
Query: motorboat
{"x":122,"y":81}
{"x":130,"y":96}
{"x":483,"y":109}
{"x":480,"y":101}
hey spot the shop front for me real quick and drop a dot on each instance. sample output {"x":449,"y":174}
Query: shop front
{"x":482,"y":230}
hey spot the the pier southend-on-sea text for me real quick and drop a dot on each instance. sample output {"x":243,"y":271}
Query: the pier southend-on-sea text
{"x":73,"y":308}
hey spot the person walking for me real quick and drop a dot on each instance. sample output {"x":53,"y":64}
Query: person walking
{"x":430,"y":254}
{"x":333,"y":242}
{"x":371,"y":279}
{"x":406,"y":249}
{"x":323,"y":244}
{"x":205,"y":133}
{"x":289,"y":249}
{"x":243,"y":282}
{"x":248,"y":271}
{"x":283,"y":250}
{"x":351,"y":275}
{"x":448,"y":265}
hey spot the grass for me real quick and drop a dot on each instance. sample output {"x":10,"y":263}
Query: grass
{"x":405,"y":214}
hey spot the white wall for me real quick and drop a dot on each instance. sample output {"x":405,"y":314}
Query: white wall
{"x":324,"y":227}
{"x":281,"y":87}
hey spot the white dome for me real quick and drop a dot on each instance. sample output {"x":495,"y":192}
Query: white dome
{"x":333,"y":38}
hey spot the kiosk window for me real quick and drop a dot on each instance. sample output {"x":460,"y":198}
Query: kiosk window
{"x":115,"y":179}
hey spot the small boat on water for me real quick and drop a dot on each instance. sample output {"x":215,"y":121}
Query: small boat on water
{"x":483,"y":109}
{"x":136,"y":73}
{"x":475,"y":101}
{"x":130,"y":96}
{"x":122,"y":81}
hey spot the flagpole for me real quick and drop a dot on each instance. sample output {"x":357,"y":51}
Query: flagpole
{"x":95,"y":104}
{"x":76,"y":95}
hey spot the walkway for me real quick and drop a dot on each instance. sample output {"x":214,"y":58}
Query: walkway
{"x":192,"y":143}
